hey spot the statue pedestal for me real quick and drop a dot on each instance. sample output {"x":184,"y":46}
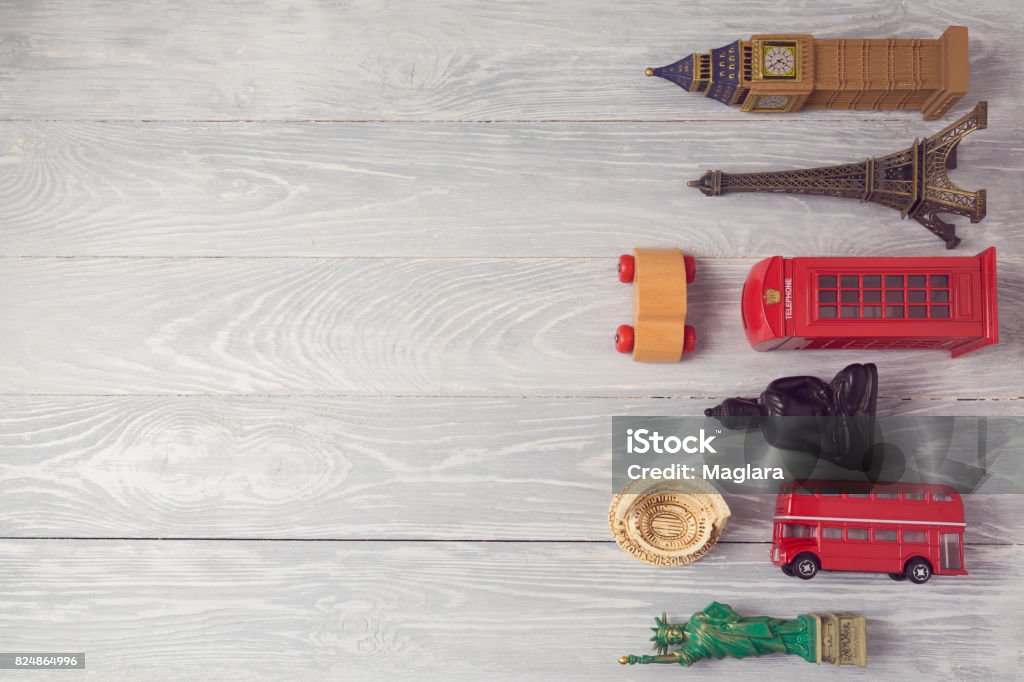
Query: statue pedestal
{"x":842,"y":638}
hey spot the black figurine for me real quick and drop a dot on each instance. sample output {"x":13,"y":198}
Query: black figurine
{"x":831,"y":420}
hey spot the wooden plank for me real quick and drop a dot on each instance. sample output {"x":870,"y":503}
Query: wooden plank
{"x":462,"y":327}
{"x":290,"y":467}
{"x":449,"y":60}
{"x":386,"y":611}
{"x":501,"y":190}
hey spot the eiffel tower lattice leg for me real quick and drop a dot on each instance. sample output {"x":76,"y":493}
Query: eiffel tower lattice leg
{"x":939,"y":227}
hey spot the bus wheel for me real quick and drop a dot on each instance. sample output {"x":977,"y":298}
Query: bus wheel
{"x":806,"y":566}
{"x":787,"y":569}
{"x":898,"y":576}
{"x":918,"y":570}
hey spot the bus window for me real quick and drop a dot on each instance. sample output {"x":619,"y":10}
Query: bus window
{"x":951,"y":551}
{"x":797,"y":530}
{"x":829,"y":492}
{"x":885,"y":535}
{"x":942,"y":497}
{"x":915,"y":536}
{"x":859,"y":495}
{"x":856,"y":533}
{"x":919,"y":496}
{"x":804,"y":491}
{"x":887,"y":495}
{"x":832,"y":533}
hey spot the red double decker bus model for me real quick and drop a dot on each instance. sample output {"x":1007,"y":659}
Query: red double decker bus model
{"x":946,"y":303}
{"x":908,"y":530}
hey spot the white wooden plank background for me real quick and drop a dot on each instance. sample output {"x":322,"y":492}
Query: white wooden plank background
{"x":393,"y":468}
{"x":330,"y":285}
{"x":500,"y":190}
{"x":493,"y":327}
{"x":449,"y":60}
{"x":471,"y":611}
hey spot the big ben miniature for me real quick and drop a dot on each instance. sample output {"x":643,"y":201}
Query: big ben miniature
{"x":779,"y":73}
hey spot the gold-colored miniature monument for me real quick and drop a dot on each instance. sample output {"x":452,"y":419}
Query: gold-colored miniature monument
{"x":779,"y":73}
{"x":913,"y":180}
{"x":668,"y":523}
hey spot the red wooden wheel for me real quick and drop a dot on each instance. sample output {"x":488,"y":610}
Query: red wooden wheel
{"x":624,"y":338}
{"x":627,"y":268}
{"x":691,"y":268}
{"x":689,"y":339}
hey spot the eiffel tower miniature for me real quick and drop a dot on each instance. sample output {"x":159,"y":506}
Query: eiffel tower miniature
{"x":912,"y":180}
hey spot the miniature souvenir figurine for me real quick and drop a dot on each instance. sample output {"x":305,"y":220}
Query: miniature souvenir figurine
{"x":946,"y":303}
{"x":718,"y":631}
{"x":913,"y":180}
{"x":830,"y":420}
{"x":668,"y":523}
{"x":908,"y":530}
{"x":774,"y":74}
{"x":659,"y":332}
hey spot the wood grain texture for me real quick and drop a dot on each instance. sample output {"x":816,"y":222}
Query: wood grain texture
{"x":371,"y":190}
{"x":464,"y":327}
{"x":453,"y":60}
{"x":344,"y":269}
{"x":454,"y":611}
{"x":419,"y":468}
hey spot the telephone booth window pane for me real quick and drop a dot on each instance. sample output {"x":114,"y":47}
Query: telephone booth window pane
{"x":950,"y":557}
{"x":915,"y":536}
{"x":856,"y":533}
{"x":855,"y":297}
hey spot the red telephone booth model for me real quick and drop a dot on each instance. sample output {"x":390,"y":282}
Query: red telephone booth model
{"x":872,"y":303}
{"x":908,"y":530}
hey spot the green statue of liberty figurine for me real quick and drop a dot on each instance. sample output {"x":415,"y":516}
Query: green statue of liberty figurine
{"x":718,"y":631}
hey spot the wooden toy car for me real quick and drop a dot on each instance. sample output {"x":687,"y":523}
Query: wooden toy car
{"x":659,"y":332}
{"x":947,"y":303}
{"x":908,"y":530}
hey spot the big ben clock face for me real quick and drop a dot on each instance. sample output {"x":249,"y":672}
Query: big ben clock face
{"x":779,"y":61}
